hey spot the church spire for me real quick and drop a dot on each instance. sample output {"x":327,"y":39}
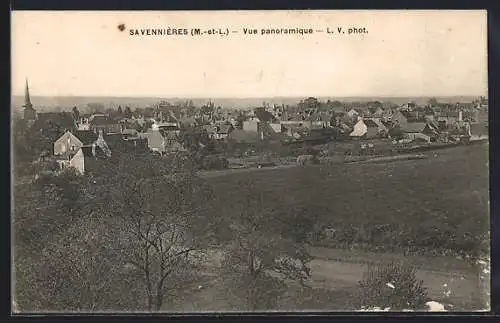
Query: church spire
{"x":27,"y":100}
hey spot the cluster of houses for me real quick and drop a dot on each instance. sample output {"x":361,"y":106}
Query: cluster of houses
{"x":404,"y":123}
{"x":157,"y":129}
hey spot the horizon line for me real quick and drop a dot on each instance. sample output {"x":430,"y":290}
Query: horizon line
{"x":257,"y":97}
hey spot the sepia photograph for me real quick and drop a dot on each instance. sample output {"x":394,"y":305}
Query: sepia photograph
{"x":249,"y":161}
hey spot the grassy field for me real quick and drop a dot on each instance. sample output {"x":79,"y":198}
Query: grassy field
{"x":442,"y":197}
{"x":436,"y":203}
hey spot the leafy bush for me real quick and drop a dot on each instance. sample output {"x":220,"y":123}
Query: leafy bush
{"x":392,"y":286}
{"x":45,"y":165}
{"x":305,"y":150}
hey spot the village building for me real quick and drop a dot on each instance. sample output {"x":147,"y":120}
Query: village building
{"x":410,"y":106}
{"x":338,"y":111}
{"x":359,"y":130}
{"x":449,"y":118}
{"x":353,"y":113}
{"x":218,"y":132}
{"x":252,"y":124}
{"x":222,"y":131}
{"x":415,"y":131}
{"x":164,"y":142}
{"x":377,"y":112}
{"x":71,"y":143}
{"x":320,"y":120}
{"x":83,"y":122}
{"x":166,"y":122}
{"x":296,"y":131}
{"x":102,"y":122}
{"x":68,"y":142}
{"x":277,"y":127}
{"x":413,"y":115}
{"x":60,"y":120}
{"x":429,"y":116}
{"x":75,"y":150}
{"x":129,"y":142}
{"x":398,"y":119}
{"x":374,"y":127}
{"x":72,"y":158}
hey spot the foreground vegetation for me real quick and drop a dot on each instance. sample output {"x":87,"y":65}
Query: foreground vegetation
{"x":133,"y":236}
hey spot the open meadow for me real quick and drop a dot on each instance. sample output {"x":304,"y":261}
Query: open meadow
{"x":438,"y":204}
{"x":431,"y":213}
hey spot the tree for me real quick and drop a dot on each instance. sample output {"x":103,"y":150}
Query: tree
{"x":79,"y":269}
{"x":22,"y":148}
{"x":432,"y":102}
{"x":68,"y":184}
{"x":163,"y":221}
{"x":96,"y":107}
{"x":335,"y":104}
{"x":75,"y":113}
{"x":128,"y":112}
{"x":42,"y":211}
{"x":194,"y":138}
{"x":260,"y":255}
{"x":483,"y":100}
{"x":208,"y":109}
{"x":119,"y":110}
{"x":311,"y":103}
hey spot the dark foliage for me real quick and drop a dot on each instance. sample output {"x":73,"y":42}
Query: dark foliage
{"x":394,"y":286}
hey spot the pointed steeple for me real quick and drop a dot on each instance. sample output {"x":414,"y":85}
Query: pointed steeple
{"x":27,"y":100}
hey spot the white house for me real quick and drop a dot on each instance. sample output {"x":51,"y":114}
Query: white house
{"x":72,"y":159}
{"x":276,"y":127}
{"x":352,"y":113}
{"x":360,"y":129}
{"x":68,"y":142}
{"x":83,"y":124}
{"x":251,"y":125}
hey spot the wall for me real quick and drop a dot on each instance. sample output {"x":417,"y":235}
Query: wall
{"x":360,"y":129}
{"x":78,"y":162}
{"x":276,"y":127}
{"x":65,"y":142}
{"x":250,"y":125}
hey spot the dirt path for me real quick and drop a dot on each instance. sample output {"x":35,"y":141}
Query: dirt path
{"x":463,"y":287}
{"x":438,"y":274}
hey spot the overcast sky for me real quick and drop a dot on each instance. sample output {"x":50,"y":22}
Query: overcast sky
{"x":417,"y":53}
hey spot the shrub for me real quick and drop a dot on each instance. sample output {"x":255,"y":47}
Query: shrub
{"x":391,"y":286}
{"x":45,"y":165}
{"x":305,"y":150}
{"x":306,"y":160}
